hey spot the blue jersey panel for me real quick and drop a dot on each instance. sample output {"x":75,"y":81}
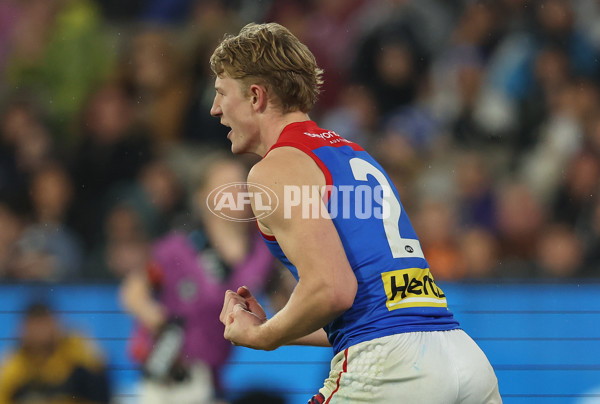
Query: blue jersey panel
{"x":278,"y":253}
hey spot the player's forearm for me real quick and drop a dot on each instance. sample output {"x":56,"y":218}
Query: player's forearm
{"x":311,"y":307}
{"x":317,"y":338}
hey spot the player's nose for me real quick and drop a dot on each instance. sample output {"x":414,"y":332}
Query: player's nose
{"x":215,"y":110}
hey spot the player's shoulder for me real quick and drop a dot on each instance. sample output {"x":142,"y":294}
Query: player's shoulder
{"x":283,"y":164}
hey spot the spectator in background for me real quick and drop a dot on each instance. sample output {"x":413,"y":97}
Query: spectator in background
{"x":163,"y":191}
{"x":355,"y":114}
{"x":177,"y":297}
{"x":479,"y":254}
{"x":561,"y":137}
{"x":391,"y":63}
{"x":51,"y":365}
{"x":556,"y":24}
{"x":47,"y":249}
{"x":552,"y":25}
{"x":117,"y":12}
{"x":59,"y":51}
{"x":166,"y":11}
{"x":592,"y":134}
{"x":209,"y":21}
{"x":11,"y":226}
{"x":124,"y":245}
{"x":589,"y":233}
{"x":9,"y":14}
{"x":156,"y":195}
{"x":577,"y":193}
{"x":535,"y":59}
{"x":409,"y":137}
{"x":136,"y":212}
{"x":154,"y":67}
{"x":330,"y":28}
{"x":520,"y":218}
{"x":550,"y":73}
{"x":474,"y":117}
{"x":26,"y":145}
{"x":437,"y":228}
{"x":559,"y":253}
{"x":113,"y":147}
{"x":476,"y":196}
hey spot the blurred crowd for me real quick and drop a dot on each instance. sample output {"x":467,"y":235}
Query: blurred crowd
{"x":485,"y":114}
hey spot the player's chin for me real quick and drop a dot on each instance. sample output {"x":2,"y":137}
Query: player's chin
{"x":237,"y":148}
{"x":233,"y":145}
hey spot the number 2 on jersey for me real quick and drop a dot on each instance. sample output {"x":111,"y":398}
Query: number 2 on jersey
{"x":399,"y":246}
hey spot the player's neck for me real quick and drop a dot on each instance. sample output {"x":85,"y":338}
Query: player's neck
{"x":273,"y":125}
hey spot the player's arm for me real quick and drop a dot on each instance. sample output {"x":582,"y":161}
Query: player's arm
{"x":317,"y":338}
{"x":327,"y":285}
{"x":244,"y":298}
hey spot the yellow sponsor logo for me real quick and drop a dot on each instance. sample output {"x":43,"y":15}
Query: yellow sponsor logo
{"x":412,"y":287}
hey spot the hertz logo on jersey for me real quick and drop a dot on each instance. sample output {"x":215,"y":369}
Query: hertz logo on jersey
{"x":412,"y":287}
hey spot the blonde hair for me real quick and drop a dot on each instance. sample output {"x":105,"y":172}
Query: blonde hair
{"x":270,"y":55}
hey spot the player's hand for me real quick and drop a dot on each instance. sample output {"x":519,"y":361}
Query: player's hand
{"x":241,"y":328}
{"x":252,"y":304}
{"x":244,"y":298}
{"x":231,"y":300}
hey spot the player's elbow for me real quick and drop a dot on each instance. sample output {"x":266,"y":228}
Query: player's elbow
{"x":344,"y":294}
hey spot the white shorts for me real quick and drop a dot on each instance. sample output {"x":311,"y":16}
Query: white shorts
{"x":440,"y":367}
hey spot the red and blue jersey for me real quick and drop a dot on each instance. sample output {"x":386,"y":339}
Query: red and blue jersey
{"x":396,"y":291}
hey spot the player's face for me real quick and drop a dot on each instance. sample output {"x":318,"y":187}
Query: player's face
{"x":235,"y":111}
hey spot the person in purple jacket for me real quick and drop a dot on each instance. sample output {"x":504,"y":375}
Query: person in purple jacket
{"x":177,"y":299}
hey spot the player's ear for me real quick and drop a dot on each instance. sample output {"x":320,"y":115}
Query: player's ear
{"x":258,"y":97}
